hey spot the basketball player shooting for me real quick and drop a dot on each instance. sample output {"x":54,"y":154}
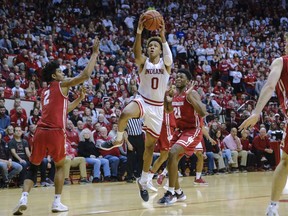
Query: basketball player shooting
{"x":154,"y":73}
{"x":49,"y":137}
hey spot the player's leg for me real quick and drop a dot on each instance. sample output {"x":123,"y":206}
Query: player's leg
{"x":178,"y":190}
{"x":199,"y":168}
{"x":278,"y":184}
{"x":132,"y":110}
{"x":173,"y":159}
{"x":150,"y":142}
{"x":37,"y":155}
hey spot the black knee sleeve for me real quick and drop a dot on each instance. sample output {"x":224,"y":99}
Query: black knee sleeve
{"x":32,"y":173}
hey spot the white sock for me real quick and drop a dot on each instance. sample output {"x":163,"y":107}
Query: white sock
{"x":178,"y":191}
{"x":164,"y":172}
{"x":119,"y":136}
{"x":25,"y":194}
{"x":198,"y":175}
{"x":144,"y":178}
{"x":57,"y":198}
{"x":171,"y":189}
{"x":150,"y":176}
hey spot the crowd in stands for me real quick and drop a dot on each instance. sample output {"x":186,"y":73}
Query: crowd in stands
{"x":227,"y":45}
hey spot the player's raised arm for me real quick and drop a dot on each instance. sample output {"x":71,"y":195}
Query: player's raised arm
{"x":194,"y":98}
{"x":265,"y":94}
{"x":167,"y":54}
{"x":86,"y":73}
{"x":137,"y":48}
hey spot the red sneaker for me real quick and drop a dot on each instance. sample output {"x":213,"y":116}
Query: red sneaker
{"x":160,"y":179}
{"x":200,"y":182}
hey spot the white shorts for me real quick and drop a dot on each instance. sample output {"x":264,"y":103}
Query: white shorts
{"x":152,"y":113}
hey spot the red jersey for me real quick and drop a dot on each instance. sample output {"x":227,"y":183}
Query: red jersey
{"x":54,"y":107}
{"x":282,"y":86}
{"x":185,"y":115}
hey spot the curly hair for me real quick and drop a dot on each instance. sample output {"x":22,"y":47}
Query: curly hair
{"x":86,"y":130}
{"x":49,"y":69}
{"x":157,"y":39}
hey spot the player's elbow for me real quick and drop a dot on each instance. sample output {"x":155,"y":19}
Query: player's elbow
{"x":168,"y":60}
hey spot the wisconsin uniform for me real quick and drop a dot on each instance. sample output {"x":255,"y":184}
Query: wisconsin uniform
{"x":50,"y":135}
{"x":281,"y":91}
{"x":188,"y":123}
{"x":153,"y":85}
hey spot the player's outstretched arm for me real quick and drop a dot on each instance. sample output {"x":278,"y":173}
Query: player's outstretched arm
{"x":265,"y":94}
{"x":86,"y":73}
{"x":167,"y":54}
{"x":195,"y":100}
{"x":137,"y":48}
{"x":74,"y":103}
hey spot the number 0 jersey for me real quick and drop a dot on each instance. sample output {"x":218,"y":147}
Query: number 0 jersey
{"x":153,"y":82}
{"x":185,"y":115}
{"x":54,"y":107}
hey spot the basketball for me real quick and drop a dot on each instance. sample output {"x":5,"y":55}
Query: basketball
{"x":153,"y":20}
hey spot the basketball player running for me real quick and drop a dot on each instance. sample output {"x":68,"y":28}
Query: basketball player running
{"x":50,"y":133}
{"x":188,"y":111}
{"x":154,"y":73}
{"x":277,"y":79}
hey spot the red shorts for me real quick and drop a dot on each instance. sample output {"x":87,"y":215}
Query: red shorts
{"x":165,"y":137}
{"x":48,"y":142}
{"x":188,"y":139}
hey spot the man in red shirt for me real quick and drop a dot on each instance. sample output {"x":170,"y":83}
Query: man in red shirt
{"x":261,"y":148}
{"x":19,"y":119}
{"x":50,"y":133}
{"x":72,"y":134}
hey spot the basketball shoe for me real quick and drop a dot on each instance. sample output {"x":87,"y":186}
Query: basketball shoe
{"x":151,"y":186}
{"x":272,"y":210}
{"x":59,"y":207}
{"x":22,"y":206}
{"x":168,"y":198}
{"x":108,"y":145}
{"x":200,"y":182}
{"x":160,"y":179}
{"x":143,"y":191}
{"x":180,"y":197}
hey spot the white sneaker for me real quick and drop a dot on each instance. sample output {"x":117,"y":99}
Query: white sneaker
{"x":151,"y":186}
{"x":272,"y":210}
{"x":230,"y":162}
{"x":180,"y":174}
{"x":59,"y":207}
{"x":22,"y":206}
{"x":263,"y":159}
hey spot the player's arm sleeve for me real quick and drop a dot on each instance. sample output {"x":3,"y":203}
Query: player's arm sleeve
{"x":167,"y":54}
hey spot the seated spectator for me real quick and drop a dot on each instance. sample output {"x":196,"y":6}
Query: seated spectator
{"x":261,"y":148}
{"x":80,"y":126}
{"x":116,"y":160}
{"x":233,"y":143}
{"x":75,"y":117}
{"x":17,"y":91}
{"x":47,"y":164}
{"x":4,"y":120}
{"x":17,"y":103}
{"x":88,"y":150}
{"x":8,"y":168}
{"x":20,"y":152}
{"x":72,"y":135}
{"x":35,"y":117}
{"x":247,"y":146}
{"x":19,"y":119}
{"x":9,"y":134}
{"x":72,"y":160}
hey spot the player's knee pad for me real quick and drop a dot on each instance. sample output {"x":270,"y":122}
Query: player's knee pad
{"x":32,"y":173}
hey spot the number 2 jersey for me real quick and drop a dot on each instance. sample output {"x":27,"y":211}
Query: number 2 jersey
{"x":185,"y":115}
{"x":153,"y":82}
{"x":54,"y":107}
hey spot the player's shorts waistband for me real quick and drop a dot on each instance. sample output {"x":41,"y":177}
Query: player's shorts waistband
{"x":152,"y":102}
{"x":54,"y":129}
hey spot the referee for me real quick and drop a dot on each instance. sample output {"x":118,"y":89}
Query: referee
{"x":135,"y":148}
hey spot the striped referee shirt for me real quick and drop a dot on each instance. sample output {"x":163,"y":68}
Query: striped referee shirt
{"x":134,"y":127}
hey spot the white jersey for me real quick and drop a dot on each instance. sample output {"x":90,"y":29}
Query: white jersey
{"x":153,"y":82}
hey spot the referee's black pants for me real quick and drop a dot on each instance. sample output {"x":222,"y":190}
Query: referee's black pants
{"x":135,"y":157}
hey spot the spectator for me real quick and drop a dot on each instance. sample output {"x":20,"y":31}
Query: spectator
{"x":72,"y":135}
{"x":72,"y":160}
{"x":9,"y":134}
{"x":233,"y":143}
{"x":88,"y":150}
{"x":17,"y":91}
{"x":19,"y":119}
{"x":20,"y":152}
{"x":47,"y":164}
{"x":116,"y":160}
{"x":263,"y":152}
{"x":8,"y":168}
{"x":4,"y":120}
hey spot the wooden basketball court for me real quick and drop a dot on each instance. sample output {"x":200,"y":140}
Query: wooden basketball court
{"x":231,"y":194}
